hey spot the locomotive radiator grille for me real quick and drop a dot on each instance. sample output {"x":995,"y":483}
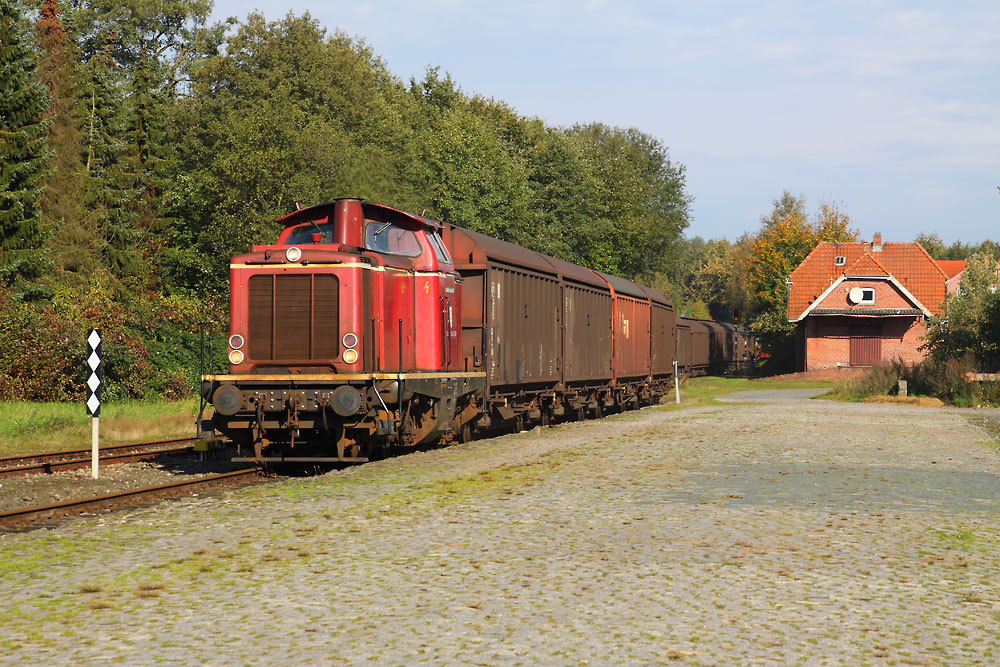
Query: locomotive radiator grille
{"x":293,"y":317}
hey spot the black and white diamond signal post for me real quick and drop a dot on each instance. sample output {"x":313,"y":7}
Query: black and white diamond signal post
{"x":96,"y":365}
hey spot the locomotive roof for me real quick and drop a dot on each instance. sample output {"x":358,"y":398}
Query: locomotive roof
{"x":371,"y":211}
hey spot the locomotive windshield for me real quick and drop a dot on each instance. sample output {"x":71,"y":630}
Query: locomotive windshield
{"x":391,"y":239}
{"x":303,"y":234}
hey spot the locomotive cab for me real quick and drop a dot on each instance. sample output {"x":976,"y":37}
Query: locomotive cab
{"x":344,"y":339}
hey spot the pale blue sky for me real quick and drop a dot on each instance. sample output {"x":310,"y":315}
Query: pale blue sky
{"x":889,"y":109}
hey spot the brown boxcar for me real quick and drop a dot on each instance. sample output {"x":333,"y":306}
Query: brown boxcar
{"x":699,"y":353}
{"x":587,"y":321}
{"x":663,"y":342}
{"x":512,"y":310}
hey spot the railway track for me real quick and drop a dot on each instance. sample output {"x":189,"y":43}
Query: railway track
{"x":49,"y":462}
{"x":28,"y":515}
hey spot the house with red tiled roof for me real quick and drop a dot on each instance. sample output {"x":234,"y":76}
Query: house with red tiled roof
{"x":953,"y":268}
{"x":859,"y":303}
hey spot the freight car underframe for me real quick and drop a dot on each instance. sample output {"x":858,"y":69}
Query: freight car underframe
{"x":520,"y":406}
{"x":290,"y":417}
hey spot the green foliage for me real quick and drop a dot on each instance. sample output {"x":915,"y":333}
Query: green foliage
{"x":640,"y":208}
{"x":286,"y":114}
{"x":971,"y":325}
{"x":937,"y":248}
{"x":24,"y":154}
{"x":473,"y":179}
{"x":62,"y":217}
{"x":151,"y":344}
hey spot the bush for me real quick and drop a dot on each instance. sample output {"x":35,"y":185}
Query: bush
{"x":940,"y":378}
{"x":151,"y":344}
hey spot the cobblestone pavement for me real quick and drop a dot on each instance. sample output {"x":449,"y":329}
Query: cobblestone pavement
{"x":792,"y":532}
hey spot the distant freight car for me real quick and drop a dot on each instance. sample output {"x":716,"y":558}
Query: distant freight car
{"x":710,"y":347}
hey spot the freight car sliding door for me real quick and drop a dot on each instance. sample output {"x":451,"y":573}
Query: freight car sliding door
{"x":588,"y":333}
{"x":663,"y":343}
{"x":525,"y":313}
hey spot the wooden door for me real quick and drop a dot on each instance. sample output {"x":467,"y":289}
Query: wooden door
{"x":866,"y":344}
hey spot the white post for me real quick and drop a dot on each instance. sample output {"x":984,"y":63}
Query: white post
{"x":94,"y":394}
{"x":677,"y":384}
{"x":95,"y":435}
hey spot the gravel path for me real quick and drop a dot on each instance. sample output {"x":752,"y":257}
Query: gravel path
{"x":789,"y":532}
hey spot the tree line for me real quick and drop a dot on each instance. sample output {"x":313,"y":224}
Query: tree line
{"x":143,"y":146}
{"x":162,"y":145}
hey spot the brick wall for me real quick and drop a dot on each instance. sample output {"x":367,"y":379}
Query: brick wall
{"x":886,"y":296}
{"x":901,"y":336}
{"x":828,"y":339}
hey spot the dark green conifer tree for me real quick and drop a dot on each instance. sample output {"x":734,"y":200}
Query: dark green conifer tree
{"x":70,"y":242}
{"x":110,"y":181}
{"x":24,"y":154}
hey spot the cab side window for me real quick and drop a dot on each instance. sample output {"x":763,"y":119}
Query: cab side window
{"x":385,"y":237}
{"x":438,"y":244}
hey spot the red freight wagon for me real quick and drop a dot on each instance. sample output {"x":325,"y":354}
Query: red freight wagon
{"x":632,"y":335}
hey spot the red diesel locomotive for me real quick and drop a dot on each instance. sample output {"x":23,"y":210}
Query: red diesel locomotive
{"x":364,"y":327}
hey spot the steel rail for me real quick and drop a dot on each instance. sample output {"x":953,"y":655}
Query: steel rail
{"x":26,"y":515}
{"x":74,"y":464}
{"x":43,"y":462}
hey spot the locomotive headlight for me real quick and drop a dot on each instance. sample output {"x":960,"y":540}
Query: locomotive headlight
{"x":293,"y":254}
{"x":235,"y":357}
{"x":236,"y":341}
{"x":350,"y":340}
{"x":350,"y":356}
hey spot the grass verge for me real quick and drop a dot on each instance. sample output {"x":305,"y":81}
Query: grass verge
{"x":39,"y":427}
{"x":704,"y":390}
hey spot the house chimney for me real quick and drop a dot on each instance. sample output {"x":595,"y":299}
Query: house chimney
{"x":877,"y":242}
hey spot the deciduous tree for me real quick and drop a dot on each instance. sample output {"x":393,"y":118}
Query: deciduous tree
{"x":786,"y":238}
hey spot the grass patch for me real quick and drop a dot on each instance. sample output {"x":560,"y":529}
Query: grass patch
{"x":504,"y":480}
{"x":955,"y":538}
{"x":704,"y":390}
{"x":38,"y":427}
{"x":991,"y":426}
